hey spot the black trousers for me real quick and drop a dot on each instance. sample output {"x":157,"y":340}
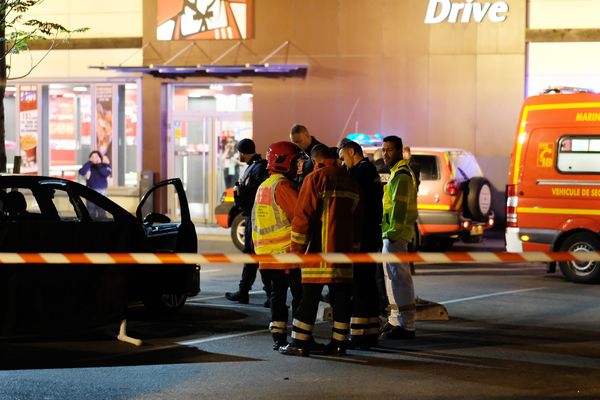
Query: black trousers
{"x":304,"y":320}
{"x":280,"y":280}
{"x":249,"y":270}
{"x":381,"y":291}
{"x":365,"y":301}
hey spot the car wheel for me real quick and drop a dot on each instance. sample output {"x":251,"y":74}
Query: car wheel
{"x":479,"y":198}
{"x":415,"y":244}
{"x":584,"y":271}
{"x":168,"y":303}
{"x":238,"y":228}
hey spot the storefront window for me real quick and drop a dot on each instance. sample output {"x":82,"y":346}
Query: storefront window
{"x":54,"y":127}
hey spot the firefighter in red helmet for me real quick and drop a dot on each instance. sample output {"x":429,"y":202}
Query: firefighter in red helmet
{"x":272,"y":233}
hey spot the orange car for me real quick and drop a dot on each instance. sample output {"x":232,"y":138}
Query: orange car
{"x":228,"y":215}
{"x":553,"y":192}
{"x":454,"y":200}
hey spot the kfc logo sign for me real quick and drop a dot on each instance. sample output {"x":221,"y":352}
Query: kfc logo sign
{"x":439,"y":11}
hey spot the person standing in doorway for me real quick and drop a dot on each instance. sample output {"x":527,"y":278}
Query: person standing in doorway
{"x":96,"y":172}
{"x":398,"y":223}
{"x":244,"y":194}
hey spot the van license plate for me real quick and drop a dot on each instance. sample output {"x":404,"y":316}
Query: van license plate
{"x":477,"y":230}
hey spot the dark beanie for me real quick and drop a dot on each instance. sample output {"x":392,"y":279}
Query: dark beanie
{"x":246,"y":146}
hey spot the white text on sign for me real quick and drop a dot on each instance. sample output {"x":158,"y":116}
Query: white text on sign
{"x":439,"y":11}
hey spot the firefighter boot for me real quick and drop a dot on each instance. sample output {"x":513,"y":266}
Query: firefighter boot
{"x":279,"y":340}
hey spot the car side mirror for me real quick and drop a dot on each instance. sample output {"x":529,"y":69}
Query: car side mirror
{"x":153,"y":218}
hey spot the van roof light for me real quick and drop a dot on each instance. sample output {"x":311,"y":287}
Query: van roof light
{"x":566,"y":89}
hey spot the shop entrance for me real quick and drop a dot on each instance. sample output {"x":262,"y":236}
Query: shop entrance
{"x":205,"y":123}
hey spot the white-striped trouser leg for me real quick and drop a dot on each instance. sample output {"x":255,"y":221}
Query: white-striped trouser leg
{"x":359,"y":326}
{"x":340,"y":331}
{"x":373,"y":326}
{"x":278,"y":327}
{"x":301,"y":332}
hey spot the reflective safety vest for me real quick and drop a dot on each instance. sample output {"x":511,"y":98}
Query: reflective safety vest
{"x":399,"y":204}
{"x":271,"y":229}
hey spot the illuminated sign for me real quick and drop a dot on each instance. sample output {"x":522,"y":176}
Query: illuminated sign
{"x":204,"y":19}
{"x":439,"y":11}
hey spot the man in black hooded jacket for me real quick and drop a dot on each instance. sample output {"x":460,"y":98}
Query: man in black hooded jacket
{"x":244,"y":194}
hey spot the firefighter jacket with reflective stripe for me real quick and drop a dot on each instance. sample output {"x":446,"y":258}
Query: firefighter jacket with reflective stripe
{"x":327,"y":218}
{"x":271,"y":219}
{"x":399,"y":203}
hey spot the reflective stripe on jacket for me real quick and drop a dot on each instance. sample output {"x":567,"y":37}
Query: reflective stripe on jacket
{"x":399,"y":203}
{"x":271,"y":228}
{"x":327,"y":218}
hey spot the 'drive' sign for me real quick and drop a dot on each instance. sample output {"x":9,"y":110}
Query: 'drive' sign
{"x":441,"y":10}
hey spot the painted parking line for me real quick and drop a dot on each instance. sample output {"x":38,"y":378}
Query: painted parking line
{"x":425,"y":271}
{"x":483,"y":296}
{"x":213,"y":238}
{"x":196,"y":342}
{"x":241,"y":334}
{"x":196,"y":299}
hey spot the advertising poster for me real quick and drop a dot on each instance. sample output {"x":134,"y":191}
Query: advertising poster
{"x":28,"y":128}
{"x":204,"y":19}
{"x":62,"y":135}
{"x":104,"y":117}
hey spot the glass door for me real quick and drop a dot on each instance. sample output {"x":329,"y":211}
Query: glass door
{"x":205,"y":124}
{"x":205,"y":159}
{"x":194,"y":162}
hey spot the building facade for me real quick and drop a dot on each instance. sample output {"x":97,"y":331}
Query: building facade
{"x":435,"y":72}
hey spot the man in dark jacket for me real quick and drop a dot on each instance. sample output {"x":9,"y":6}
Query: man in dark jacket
{"x":364,"y":324}
{"x":300,"y":136}
{"x":244,"y":194}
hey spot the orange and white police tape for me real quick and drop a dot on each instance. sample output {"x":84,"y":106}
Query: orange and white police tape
{"x":333,"y":258}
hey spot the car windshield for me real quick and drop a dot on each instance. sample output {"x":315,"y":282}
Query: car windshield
{"x":465,"y":164}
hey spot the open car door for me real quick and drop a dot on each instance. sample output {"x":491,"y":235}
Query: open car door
{"x":167,"y":286}
{"x":164,"y":235}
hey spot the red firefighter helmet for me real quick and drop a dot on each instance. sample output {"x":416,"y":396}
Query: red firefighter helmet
{"x":282,"y":157}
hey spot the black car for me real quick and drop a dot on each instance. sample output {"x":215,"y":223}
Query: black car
{"x":50,"y":215}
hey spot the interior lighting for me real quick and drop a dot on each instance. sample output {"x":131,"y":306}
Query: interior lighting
{"x":80,"y":89}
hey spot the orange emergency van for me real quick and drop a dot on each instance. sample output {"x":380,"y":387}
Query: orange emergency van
{"x":553,"y":192}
